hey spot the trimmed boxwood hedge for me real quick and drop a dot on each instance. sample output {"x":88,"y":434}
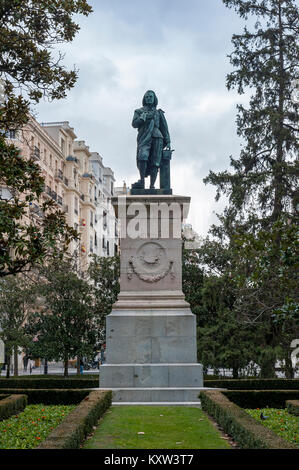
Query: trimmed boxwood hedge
{"x":51,"y":396}
{"x":36,"y":382}
{"x":261,"y":398}
{"x":245,"y":430}
{"x":293,"y":407}
{"x":12,"y":405}
{"x":254,"y":384}
{"x":75,"y":427}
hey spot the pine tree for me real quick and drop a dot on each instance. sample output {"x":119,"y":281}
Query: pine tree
{"x":262,"y":185}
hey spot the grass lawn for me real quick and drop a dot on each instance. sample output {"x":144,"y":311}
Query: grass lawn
{"x":27,"y":429}
{"x":155,"y":427}
{"x":280,"y":421}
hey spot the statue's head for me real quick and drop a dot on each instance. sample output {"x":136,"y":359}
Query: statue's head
{"x":150,"y":99}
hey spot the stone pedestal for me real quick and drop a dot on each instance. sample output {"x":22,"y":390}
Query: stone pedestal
{"x":151,"y":351}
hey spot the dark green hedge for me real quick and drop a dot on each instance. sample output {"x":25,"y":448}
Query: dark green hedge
{"x":51,"y":396}
{"x":12,"y":405}
{"x":78,"y":424}
{"x":254,"y":384}
{"x":293,"y":407}
{"x":261,"y":398}
{"x":57,"y":382}
{"x":245,"y":430}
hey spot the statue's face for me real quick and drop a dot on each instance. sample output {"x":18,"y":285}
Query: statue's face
{"x":149,"y":98}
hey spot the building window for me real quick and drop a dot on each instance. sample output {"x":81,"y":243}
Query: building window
{"x":76,"y":205}
{"x":11,"y":134}
{"x":91,"y":218}
{"x":62,"y":146}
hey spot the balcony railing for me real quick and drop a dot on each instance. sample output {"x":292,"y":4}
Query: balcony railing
{"x":59,"y":175}
{"x":36,"y":153}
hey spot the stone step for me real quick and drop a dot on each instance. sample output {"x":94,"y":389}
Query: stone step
{"x":193,"y":404}
{"x":155,"y":394}
{"x":146,"y":376}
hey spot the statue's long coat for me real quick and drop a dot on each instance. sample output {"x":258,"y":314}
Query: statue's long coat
{"x":149,"y":129}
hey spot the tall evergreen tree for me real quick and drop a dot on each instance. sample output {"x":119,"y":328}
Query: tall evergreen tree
{"x":262,"y":185}
{"x":262,"y":191}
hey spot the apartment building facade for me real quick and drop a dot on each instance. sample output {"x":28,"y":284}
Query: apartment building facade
{"x":79,"y":183}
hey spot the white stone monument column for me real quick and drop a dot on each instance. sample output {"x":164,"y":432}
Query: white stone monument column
{"x":151,"y":348}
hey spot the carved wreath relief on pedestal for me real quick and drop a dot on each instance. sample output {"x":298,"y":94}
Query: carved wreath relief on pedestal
{"x":151,"y":263}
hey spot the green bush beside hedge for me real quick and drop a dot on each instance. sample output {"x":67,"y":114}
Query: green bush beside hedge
{"x":293,"y":407}
{"x":244,"y":429}
{"x":75,"y":427}
{"x":51,"y":396}
{"x":35,"y":382}
{"x":12,"y":405}
{"x":254,"y":384}
{"x":261,"y":398}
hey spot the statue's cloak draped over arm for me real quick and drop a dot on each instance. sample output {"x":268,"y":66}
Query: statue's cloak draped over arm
{"x":145,"y":129}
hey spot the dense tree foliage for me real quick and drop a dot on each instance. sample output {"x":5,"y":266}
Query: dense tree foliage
{"x":255,"y":243}
{"x":262,"y":184}
{"x":30,"y":68}
{"x":104,"y":273}
{"x":65,"y":327}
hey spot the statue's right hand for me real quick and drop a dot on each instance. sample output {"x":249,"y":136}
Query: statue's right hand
{"x":143,"y":116}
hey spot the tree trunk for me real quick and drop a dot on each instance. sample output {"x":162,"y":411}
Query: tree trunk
{"x":235,"y":372}
{"x":289,"y":371}
{"x":16,"y":368}
{"x":45,"y":366}
{"x":268,"y":368}
{"x":78,"y":365}
{"x":277,"y":169}
{"x":8,"y":366}
{"x":66,"y":368}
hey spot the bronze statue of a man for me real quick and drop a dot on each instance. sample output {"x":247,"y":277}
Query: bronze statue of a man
{"x":152,"y":138}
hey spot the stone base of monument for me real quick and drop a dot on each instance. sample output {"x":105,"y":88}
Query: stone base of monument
{"x":151,"y":348}
{"x":151,"y":356}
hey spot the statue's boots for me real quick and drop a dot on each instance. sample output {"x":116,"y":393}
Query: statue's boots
{"x":154,"y":173}
{"x":142,"y":169}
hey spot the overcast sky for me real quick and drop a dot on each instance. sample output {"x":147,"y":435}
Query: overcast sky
{"x":178,"y":48}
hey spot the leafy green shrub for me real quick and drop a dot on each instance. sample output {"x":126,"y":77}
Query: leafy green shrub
{"x":51,"y":396}
{"x":73,"y":430}
{"x":261,"y":398}
{"x":46,"y":383}
{"x":293,"y":407}
{"x":245,"y":430}
{"x":12,"y":405}
{"x":254,"y":384}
